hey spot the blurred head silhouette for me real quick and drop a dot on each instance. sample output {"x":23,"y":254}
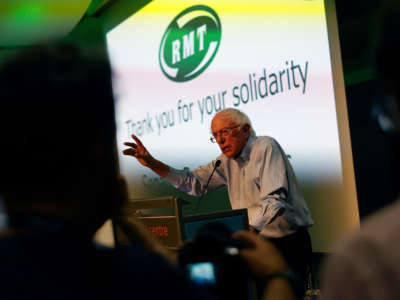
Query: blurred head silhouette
{"x":57,"y":135}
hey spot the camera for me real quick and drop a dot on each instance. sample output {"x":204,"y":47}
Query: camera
{"x":212,"y":260}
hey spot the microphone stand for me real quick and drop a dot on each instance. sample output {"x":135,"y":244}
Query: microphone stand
{"x":217,"y":163}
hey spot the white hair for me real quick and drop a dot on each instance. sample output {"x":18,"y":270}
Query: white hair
{"x":237,"y":116}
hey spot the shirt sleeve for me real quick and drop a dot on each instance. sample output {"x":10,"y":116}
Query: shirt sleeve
{"x":194,"y":182}
{"x":273,"y":186}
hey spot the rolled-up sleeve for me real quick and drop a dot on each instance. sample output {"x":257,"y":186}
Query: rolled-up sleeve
{"x":273,"y":186}
{"x":264,"y":214}
{"x":193,"y":183}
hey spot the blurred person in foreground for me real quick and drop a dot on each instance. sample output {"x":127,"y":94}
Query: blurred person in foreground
{"x":366,"y":266}
{"x":59,"y":182}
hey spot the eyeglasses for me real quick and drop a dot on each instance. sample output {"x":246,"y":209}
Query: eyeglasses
{"x":223,"y":133}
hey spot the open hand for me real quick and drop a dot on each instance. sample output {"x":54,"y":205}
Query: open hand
{"x":138,"y":151}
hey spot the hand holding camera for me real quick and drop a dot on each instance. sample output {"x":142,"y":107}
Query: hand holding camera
{"x":261,"y":257}
{"x":225,"y":262}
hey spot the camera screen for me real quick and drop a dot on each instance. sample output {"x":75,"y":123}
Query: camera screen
{"x":202,"y":273}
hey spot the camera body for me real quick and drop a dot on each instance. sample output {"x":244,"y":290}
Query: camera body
{"x":212,"y":260}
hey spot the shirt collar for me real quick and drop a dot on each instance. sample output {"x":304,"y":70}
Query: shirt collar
{"x":245,"y":154}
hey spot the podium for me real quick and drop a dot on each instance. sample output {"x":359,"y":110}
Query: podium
{"x":163,"y":218}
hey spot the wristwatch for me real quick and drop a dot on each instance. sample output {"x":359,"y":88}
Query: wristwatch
{"x":292,"y":278}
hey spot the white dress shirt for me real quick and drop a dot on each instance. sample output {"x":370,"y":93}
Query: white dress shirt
{"x":260,"y":179}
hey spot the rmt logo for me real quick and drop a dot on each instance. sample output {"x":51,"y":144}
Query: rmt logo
{"x":190,"y":43}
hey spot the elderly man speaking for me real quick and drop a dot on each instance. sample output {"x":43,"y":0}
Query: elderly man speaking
{"x":259,"y":177}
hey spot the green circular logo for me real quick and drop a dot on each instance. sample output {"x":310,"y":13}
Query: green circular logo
{"x":190,"y":43}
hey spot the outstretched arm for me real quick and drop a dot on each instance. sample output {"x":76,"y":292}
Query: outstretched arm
{"x":138,"y":151}
{"x":189,"y":182}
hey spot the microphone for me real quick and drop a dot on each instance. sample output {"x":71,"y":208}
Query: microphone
{"x":217,"y":163}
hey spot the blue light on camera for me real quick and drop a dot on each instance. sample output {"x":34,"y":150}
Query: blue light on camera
{"x":202,"y":273}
